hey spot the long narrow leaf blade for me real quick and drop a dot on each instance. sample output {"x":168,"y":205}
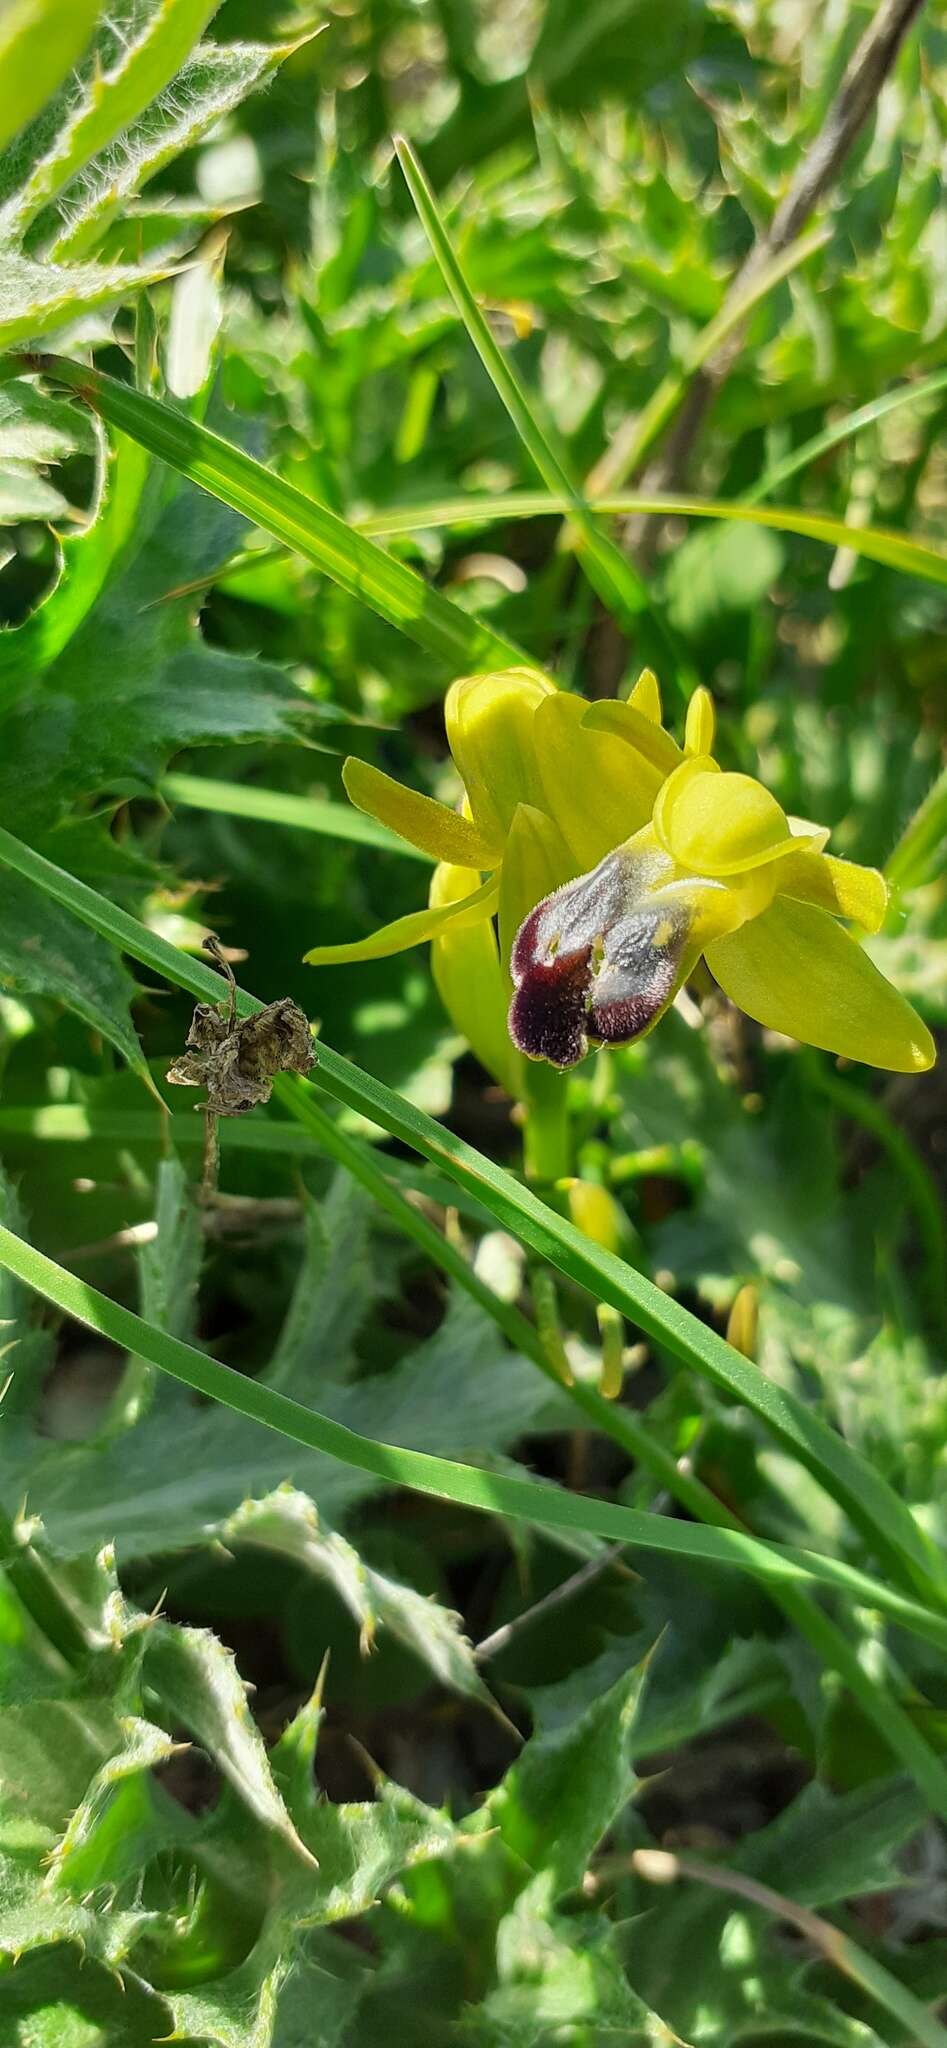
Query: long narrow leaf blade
{"x":524,"y":1500}
{"x":612,"y":574}
{"x":347,"y":557}
{"x":877,"y":543}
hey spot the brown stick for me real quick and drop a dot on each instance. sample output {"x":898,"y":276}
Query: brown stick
{"x":864,"y":77}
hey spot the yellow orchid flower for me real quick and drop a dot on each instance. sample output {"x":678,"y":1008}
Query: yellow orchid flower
{"x":544,"y":799}
{"x":612,"y":859}
{"x":719,"y":870}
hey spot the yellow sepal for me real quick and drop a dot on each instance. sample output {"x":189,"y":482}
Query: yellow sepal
{"x":626,"y":722}
{"x":465,"y":963}
{"x":646,"y":696}
{"x":429,"y":826}
{"x":489,"y":723}
{"x":596,"y":793}
{"x":414,"y":930}
{"x":796,"y":970}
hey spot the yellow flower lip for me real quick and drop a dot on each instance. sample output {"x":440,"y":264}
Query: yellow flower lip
{"x":717,"y":824}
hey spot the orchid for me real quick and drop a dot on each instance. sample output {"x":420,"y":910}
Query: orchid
{"x":613,"y":860}
{"x":544,"y":798}
{"x":720,"y":872}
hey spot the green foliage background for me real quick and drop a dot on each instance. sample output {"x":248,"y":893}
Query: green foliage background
{"x":291,"y":1756}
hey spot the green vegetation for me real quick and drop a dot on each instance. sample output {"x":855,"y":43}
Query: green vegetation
{"x":472,"y":1561}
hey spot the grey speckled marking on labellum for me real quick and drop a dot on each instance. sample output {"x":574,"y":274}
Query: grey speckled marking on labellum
{"x":586,"y":963}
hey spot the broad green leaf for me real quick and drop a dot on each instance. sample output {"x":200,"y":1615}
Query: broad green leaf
{"x":116,"y":96}
{"x":73,"y":1745}
{"x":174,"y":1480}
{"x":195,"y":1680}
{"x":24,"y":495}
{"x":568,"y":1787}
{"x":36,"y":428}
{"x":827,"y":1847}
{"x":60,"y":1999}
{"x":138,"y":99}
{"x":109,"y":631}
{"x":117,"y":1826}
{"x":206,"y":88}
{"x":37,"y":297}
{"x":43,"y":952}
{"x":560,"y":1979}
{"x":86,"y":561}
{"x":287,"y":1525}
{"x":40,"y":40}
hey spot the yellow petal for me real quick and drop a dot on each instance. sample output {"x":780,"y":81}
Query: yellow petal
{"x":465,"y":963}
{"x":716,"y":824}
{"x":414,"y":930}
{"x":626,"y":722}
{"x":646,"y":696}
{"x":596,"y":792}
{"x":860,"y":894}
{"x":536,"y":861}
{"x":796,"y":970}
{"x":490,"y":734}
{"x":700,"y":724}
{"x":430,"y":826}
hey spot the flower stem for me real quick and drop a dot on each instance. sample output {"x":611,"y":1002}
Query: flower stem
{"x":547,"y":1144}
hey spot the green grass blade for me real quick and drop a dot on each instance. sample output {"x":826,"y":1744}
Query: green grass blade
{"x":614,"y":577}
{"x":843,"y":430}
{"x":277,"y":807}
{"x":919,"y":853}
{"x":876,"y":543}
{"x":388,"y":586}
{"x":523,"y":1500}
{"x":864,"y":1493}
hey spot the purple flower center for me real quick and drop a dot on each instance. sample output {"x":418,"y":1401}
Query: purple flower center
{"x":593,"y":961}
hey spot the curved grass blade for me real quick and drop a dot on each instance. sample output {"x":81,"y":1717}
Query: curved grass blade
{"x":877,"y":543}
{"x":388,"y":586}
{"x":523,"y":1500}
{"x":920,"y":851}
{"x":843,"y":430}
{"x":872,"y":1504}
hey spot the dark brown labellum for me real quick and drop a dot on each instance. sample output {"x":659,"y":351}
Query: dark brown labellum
{"x":593,"y":961}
